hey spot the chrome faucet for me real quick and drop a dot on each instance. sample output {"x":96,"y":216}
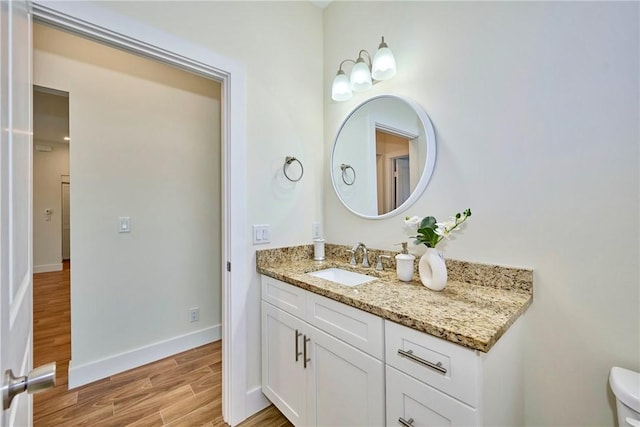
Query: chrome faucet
{"x":365,"y":256}
{"x":379,"y":265}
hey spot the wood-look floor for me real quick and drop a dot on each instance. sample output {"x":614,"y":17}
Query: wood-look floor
{"x":182,"y":390}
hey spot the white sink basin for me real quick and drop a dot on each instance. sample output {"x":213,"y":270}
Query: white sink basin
{"x":344,"y":277}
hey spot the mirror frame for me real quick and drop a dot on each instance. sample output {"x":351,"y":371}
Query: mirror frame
{"x":429,"y":165}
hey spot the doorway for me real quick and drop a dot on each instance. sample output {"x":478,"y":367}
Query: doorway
{"x":50,"y":170}
{"x":393,"y":158}
{"x":52,"y":266}
{"x":87,"y":20}
{"x":146,"y":150}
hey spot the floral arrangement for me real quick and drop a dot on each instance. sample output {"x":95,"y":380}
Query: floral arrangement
{"x":429,"y":232}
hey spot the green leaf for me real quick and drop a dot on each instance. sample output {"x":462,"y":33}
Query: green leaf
{"x":428,"y":222}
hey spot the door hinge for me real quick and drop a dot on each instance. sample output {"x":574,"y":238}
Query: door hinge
{"x":229,"y":266}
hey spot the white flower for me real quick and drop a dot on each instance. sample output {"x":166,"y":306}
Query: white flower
{"x":449,"y":225}
{"x":445,"y":228}
{"x":442,"y":231}
{"x":411,"y":224}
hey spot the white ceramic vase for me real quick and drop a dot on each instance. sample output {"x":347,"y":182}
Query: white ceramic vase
{"x":433,"y":270}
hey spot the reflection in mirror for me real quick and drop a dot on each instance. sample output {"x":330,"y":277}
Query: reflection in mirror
{"x":389,"y":144}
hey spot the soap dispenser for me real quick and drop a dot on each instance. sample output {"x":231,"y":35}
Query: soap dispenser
{"x":405,"y":264}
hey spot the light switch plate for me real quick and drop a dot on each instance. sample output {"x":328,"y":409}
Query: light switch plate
{"x":261,"y":234}
{"x":124,"y":225}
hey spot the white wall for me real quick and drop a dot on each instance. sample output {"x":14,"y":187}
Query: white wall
{"x":535,"y":107}
{"x":146,"y":144}
{"x":280,"y":43}
{"x":48,"y":166}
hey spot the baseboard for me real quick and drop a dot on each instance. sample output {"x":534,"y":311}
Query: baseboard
{"x":256,"y":401}
{"x":46,"y":268}
{"x":103,"y":368}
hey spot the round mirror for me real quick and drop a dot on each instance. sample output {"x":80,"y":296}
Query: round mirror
{"x":383,"y":156}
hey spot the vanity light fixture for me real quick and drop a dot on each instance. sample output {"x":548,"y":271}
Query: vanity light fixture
{"x":363,"y":75}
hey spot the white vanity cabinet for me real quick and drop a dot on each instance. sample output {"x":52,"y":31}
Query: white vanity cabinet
{"x":325,"y":363}
{"x":321,"y":360}
{"x":433,"y":382}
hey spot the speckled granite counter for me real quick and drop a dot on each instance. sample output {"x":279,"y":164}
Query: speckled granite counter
{"x":476,"y":308}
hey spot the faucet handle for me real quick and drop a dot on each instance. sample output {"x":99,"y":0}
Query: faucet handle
{"x":352,"y":261}
{"x":365,"y":260}
{"x":379,"y":265}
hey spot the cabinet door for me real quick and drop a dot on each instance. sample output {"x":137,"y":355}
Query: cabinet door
{"x":345,"y":387}
{"x":413,"y":403}
{"x":283,"y":379}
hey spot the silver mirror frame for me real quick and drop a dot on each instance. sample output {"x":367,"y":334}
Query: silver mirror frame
{"x":429,"y":166}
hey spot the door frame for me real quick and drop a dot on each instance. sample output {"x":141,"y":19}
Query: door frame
{"x":92,"y":21}
{"x":64,"y":180}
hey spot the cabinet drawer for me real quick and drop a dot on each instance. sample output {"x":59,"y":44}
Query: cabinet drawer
{"x":417,"y":404}
{"x":284,"y":296}
{"x":362,"y":330}
{"x":456,"y":370}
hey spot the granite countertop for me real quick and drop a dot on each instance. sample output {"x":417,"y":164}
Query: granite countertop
{"x":476,"y":308}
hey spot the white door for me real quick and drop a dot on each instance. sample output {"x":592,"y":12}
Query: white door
{"x":283,"y":378}
{"x":401,"y":189}
{"x":345,"y":386}
{"x":15,"y":202}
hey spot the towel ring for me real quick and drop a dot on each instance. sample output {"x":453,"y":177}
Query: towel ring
{"x":287,"y":161}
{"x":344,"y":168}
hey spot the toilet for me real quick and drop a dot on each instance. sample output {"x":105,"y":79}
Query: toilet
{"x":626,"y":386}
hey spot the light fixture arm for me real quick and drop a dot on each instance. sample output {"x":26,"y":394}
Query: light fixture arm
{"x":360,"y":59}
{"x":342,"y":63}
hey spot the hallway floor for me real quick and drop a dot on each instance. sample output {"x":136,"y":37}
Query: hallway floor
{"x":181,"y":390}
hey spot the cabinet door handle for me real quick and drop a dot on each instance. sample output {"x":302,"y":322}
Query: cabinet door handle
{"x":435,"y":366}
{"x":298,"y":353}
{"x":304,"y":349}
{"x":406,"y":423}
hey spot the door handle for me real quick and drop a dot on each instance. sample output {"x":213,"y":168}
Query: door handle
{"x":39,"y":379}
{"x":298,"y":352}
{"x":305,"y":359}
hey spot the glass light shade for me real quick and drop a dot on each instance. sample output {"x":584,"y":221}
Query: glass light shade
{"x":340,"y":90}
{"x":384,"y":64}
{"x":360,"y":76}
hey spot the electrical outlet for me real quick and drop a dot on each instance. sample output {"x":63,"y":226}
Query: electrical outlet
{"x":194,"y":314}
{"x":316,"y":232}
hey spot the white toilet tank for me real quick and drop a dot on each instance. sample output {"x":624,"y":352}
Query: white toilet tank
{"x":626,"y":386}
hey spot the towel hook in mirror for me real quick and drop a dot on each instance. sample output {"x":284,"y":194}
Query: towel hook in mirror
{"x":287,"y":161}
{"x":344,"y":168}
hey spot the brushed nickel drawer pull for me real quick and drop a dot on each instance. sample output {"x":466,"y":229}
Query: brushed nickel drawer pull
{"x":304,"y":349}
{"x":435,"y":366}
{"x":406,"y":423}
{"x":298,"y":353}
